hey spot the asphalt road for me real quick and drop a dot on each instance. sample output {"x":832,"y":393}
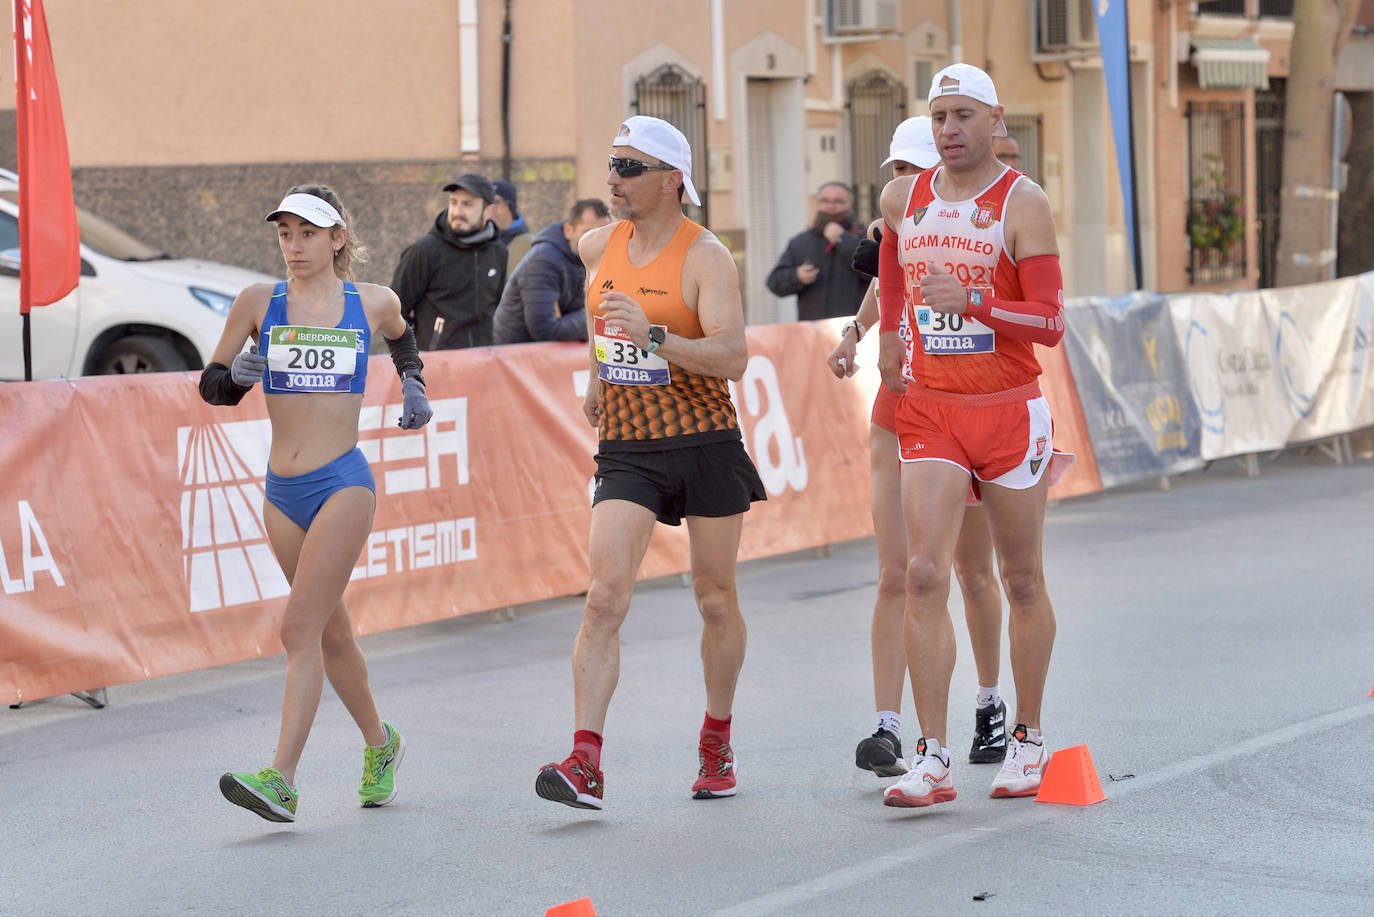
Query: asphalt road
{"x":1214,"y":653}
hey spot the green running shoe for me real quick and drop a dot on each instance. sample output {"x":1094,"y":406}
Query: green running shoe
{"x":268,"y":794}
{"x":379,"y":769}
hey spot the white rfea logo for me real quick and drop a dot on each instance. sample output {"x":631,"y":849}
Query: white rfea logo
{"x":226,"y":557}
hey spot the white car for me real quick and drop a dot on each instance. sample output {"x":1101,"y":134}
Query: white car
{"x":135,"y":310}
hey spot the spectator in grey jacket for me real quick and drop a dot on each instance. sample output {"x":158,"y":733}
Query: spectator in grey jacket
{"x":545,"y":299}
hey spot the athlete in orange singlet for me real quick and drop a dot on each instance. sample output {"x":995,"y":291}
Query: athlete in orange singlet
{"x":970,"y":254}
{"x":666,"y":329}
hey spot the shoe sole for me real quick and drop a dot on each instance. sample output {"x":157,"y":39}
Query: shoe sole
{"x":241,"y":795}
{"x":895,"y":769}
{"x":988,"y":754}
{"x":889,"y":767}
{"x":553,"y":786}
{"x":902,"y":801}
{"x":1002,"y":792}
{"x":396,"y":766}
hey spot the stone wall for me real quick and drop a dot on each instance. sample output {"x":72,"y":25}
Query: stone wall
{"x":216,"y":212}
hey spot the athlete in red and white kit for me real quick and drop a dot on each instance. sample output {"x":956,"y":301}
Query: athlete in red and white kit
{"x":972,"y":246}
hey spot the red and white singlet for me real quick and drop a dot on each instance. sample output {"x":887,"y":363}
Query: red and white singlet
{"x":956,"y":353}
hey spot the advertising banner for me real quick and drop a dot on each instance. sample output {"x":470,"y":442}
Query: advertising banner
{"x":1227,"y":343}
{"x":131,"y":535}
{"x":1133,"y":386}
{"x":1277,"y":367}
{"x":1322,"y":356}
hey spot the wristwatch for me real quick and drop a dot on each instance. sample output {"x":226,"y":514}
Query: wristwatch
{"x":975,"y":299}
{"x":657,"y":335}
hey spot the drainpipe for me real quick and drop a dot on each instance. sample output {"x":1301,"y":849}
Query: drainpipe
{"x":956,"y":40}
{"x":505,"y":94}
{"x":469,"y":120}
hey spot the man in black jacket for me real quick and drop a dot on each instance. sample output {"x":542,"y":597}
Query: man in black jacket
{"x":816,"y":263}
{"x":545,"y":299}
{"x":450,"y":279}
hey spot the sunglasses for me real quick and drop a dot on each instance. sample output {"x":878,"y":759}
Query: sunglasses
{"x":630,"y":168}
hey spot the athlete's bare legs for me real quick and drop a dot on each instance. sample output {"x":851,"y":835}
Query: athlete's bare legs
{"x":933,"y":495}
{"x":318,"y":564}
{"x":619,"y":537}
{"x":715,"y":549}
{"x":1017,"y":520}
{"x":889,"y":609}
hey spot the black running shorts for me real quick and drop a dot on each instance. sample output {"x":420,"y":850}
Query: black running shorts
{"x":714,"y":479}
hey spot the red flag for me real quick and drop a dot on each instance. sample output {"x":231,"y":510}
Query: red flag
{"x":48,"y":237}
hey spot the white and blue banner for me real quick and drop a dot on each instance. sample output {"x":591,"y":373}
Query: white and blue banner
{"x":1133,"y":385}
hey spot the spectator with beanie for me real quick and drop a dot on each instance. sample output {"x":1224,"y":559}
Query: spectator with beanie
{"x":505,"y":213}
{"x":450,"y":279}
{"x":545,"y":298}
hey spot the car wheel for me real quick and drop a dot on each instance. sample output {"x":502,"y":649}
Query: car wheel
{"x":140,"y":354}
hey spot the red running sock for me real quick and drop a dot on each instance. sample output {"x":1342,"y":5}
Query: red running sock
{"x":718,"y":728}
{"x":588,"y":743}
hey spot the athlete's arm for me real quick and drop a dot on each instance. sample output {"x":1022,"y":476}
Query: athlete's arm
{"x":710,"y":280}
{"x":892,"y":285}
{"x":1030,"y":240}
{"x":590,"y":248}
{"x":218,"y":384}
{"x":841,"y":359}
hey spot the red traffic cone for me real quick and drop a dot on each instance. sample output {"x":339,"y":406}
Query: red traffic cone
{"x":582,"y":907}
{"x":1071,"y":779}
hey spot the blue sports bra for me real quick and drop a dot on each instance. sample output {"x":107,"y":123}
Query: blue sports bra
{"x":303,"y":359}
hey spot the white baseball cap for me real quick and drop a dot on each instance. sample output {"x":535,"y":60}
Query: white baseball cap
{"x":310,"y":208}
{"x":662,"y":141}
{"x":913,"y":142}
{"x":968,"y":81}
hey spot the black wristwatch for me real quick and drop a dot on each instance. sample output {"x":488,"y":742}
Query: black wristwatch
{"x":657,"y":335}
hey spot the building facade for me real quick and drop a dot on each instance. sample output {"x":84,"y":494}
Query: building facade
{"x":191,"y":126}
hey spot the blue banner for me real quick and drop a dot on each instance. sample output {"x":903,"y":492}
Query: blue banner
{"x":1134,"y":387}
{"x":1113,"y":39}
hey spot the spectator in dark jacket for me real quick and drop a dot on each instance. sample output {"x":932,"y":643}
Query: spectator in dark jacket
{"x":450,"y":279}
{"x":545,"y":299}
{"x":816,"y":263}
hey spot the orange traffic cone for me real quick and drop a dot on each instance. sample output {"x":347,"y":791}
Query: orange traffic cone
{"x":582,"y":907}
{"x":1371,"y":692}
{"x":1070,"y":778}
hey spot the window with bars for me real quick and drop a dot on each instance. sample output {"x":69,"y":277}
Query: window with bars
{"x":679,"y":98}
{"x":1221,"y":7}
{"x":877,"y":104}
{"x":1025,"y":130}
{"x":1216,"y":191}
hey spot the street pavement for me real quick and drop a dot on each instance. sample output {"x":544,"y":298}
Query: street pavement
{"x":1213,"y":654}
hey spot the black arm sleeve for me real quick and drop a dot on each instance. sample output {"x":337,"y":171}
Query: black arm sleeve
{"x":405,"y":354}
{"x":218,"y":387}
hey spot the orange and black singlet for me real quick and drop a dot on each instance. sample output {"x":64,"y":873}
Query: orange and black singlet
{"x":647,"y":404}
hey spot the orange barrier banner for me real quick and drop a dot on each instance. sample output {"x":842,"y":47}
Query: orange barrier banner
{"x":131,"y":537}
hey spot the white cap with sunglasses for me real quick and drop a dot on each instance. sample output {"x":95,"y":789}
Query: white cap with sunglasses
{"x":659,"y":139}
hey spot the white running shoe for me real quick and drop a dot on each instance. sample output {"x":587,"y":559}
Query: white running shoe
{"x":1022,"y":768}
{"x":926,"y":783}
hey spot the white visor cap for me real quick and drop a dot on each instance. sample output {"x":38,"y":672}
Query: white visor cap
{"x":968,"y":81}
{"x":310,"y":208}
{"x":913,"y":142}
{"x":662,"y":141}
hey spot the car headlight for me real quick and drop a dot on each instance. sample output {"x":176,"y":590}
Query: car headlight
{"x":220,"y":302}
